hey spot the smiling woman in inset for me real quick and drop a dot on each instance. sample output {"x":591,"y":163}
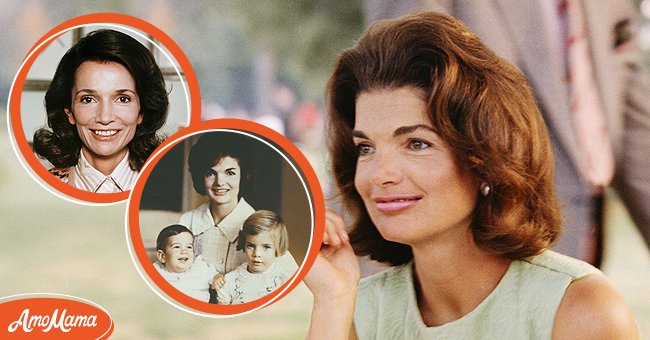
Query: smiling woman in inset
{"x":445,"y":168}
{"x":105,"y":105}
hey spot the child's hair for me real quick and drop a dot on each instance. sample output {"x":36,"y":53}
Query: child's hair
{"x":168,"y":232}
{"x":265,"y":220}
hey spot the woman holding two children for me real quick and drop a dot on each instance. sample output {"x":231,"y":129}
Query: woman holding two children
{"x":444,"y":164}
{"x":222,"y":167}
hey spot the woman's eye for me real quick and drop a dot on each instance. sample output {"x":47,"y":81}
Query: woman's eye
{"x":124,"y":99}
{"x":176,"y":247}
{"x":417,"y":144}
{"x":209,"y":173}
{"x":364,"y":149}
{"x":268,"y":247}
{"x":86,"y":100}
{"x":231,"y":173}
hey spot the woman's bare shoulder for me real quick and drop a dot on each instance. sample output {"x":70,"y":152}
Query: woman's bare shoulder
{"x":592,"y":309}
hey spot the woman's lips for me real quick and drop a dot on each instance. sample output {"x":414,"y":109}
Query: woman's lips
{"x":106,"y":134}
{"x":220,"y":192}
{"x":395,"y":203}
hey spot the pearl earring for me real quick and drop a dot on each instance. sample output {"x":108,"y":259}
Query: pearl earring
{"x":484,"y":189}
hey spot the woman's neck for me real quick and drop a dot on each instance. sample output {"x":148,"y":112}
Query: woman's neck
{"x":105,"y":165}
{"x":220,"y":211}
{"x":452,"y":278}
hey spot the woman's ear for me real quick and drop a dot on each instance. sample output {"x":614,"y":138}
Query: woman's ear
{"x":70,"y":116}
{"x":161,"y":256}
{"x":140,"y":118}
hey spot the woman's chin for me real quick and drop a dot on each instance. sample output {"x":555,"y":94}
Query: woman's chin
{"x":221,"y":201}
{"x":106,"y":153}
{"x":391,"y":235}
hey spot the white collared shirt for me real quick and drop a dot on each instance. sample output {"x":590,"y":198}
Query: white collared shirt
{"x":84,"y":176}
{"x":218,"y":242}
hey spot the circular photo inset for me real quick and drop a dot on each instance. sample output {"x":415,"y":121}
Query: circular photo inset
{"x":93,"y":100}
{"x":222,"y":220}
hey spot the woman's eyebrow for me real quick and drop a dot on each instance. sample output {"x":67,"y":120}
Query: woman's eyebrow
{"x":359,"y":134}
{"x":402,"y":130}
{"x":90,"y":91}
{"x":120,"y":91}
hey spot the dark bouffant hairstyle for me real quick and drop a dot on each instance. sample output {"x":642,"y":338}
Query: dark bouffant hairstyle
{"x":169,"y":231}
{"x":265,"y":220}
{"x":61,"y":145}
{"x":215,"y":145}
{"x":480,"y":104}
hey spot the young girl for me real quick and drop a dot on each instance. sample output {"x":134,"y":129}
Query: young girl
{"x":178,"y":265}
{"x":265,"y":241}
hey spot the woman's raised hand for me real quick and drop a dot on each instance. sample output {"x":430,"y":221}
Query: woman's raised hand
{"x":336,"y":269}
{"x":333,"y":280}
{"x":335,"y":233}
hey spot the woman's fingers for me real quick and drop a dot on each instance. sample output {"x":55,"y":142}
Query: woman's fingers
{"x":335,"y":233}
{"x":335,"y":272}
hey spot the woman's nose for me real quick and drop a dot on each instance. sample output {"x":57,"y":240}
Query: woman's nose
{"x":104,"y":113}
{"x":385,"y":168}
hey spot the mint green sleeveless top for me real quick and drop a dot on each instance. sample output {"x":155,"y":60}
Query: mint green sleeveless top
{"x":522,"y":306}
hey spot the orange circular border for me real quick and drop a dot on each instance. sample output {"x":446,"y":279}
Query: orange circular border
{"x":17,"y":90}
{"x":134,"y":238}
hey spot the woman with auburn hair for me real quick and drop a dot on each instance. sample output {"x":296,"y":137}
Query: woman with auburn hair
{"x":444,"y":165}
{"x":105,"y":105}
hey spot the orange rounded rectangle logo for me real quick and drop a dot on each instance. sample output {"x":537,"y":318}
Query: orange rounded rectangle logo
{"x":53,"y":318}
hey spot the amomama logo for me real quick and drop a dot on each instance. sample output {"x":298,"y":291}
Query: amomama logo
{"x":47,"y":316}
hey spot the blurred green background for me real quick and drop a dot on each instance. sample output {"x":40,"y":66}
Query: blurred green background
{"x":255,"y":60}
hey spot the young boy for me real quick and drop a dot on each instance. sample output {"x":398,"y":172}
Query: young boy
{"x":179,"y":266}
{"x":264,"y":240}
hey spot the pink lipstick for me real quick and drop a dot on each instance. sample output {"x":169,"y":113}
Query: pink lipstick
{"x":395,"y":203}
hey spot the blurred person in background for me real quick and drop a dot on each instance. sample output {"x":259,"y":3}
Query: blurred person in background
{"x":585,"y":68}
